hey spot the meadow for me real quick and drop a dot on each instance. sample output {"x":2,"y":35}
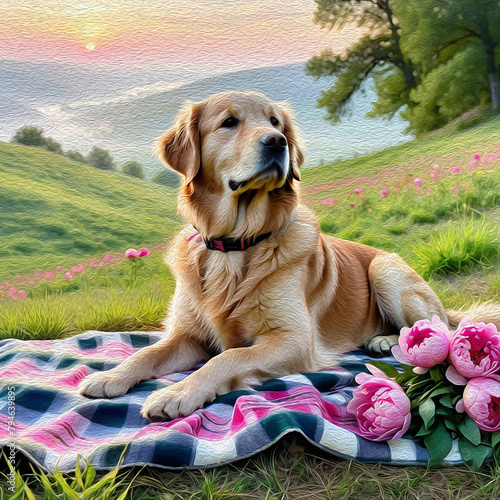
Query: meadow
{"x":65,"y":229}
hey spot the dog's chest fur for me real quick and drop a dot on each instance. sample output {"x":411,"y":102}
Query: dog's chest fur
{"x":228,"y":288}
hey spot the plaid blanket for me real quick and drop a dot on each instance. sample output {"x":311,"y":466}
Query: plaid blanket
{"x":53,"y":424}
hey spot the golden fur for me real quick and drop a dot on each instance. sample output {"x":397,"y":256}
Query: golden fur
{"x":292,"y":303}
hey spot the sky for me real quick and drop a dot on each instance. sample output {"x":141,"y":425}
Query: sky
{"x":206,"y":34}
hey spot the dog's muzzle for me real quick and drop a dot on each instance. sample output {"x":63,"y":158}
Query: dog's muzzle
{"x":273,"y":161}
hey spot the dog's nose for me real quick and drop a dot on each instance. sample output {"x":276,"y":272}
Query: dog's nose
{"x":274,"y":142}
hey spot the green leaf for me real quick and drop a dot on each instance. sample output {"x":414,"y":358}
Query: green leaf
{"x":89,"y":474}
{"x":446,"y":401}
{"x":436,"y":374}
{"x":423,"y":431}
{"x":474,"y":456}
{"x":438,"y":443}
{"x":78,"y":473}
{"x":444,"y":412}
{"x":427,"y":410}
{"x":408,"y":369}
{"x":495,"y":439}
{"x":405,"y":378}
{"x":440,"y":391}
{"x":470,"y":430}
{"x":388,"y":369}
{"x":450,"y":425}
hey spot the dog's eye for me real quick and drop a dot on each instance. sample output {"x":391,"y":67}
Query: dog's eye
{"x":230,"y":122}
{"x":274,"y":121}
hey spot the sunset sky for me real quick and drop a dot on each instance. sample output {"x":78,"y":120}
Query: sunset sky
{"x":214,"y":34}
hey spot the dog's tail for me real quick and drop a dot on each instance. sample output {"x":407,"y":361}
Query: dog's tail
{"x":487,"y":312}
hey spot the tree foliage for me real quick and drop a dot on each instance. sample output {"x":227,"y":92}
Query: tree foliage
{"x":167,"y":178}
{"x":33,"y":136}
{"x":376,"y":55}
{"x":76,"y":156}
{"x":101,"y":158}
{"x":431,"y":60}
{"x":436,"y":32}
{"x":134,"y":169}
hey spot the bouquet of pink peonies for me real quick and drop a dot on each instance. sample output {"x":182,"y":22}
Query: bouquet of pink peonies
{"x":449,"y":389}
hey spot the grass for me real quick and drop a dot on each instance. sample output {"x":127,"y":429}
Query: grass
{"x":459,"y":248}
{"x":58,"y":213}
{"x":54,"y":209}
{"x":289,"y":470}
{"x":445,"y":146}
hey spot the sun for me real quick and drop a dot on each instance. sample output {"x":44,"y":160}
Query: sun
{"x":90,"y":46}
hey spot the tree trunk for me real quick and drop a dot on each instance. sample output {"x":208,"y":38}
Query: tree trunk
{"x":495,"y":90}
{"x":492,"y":71}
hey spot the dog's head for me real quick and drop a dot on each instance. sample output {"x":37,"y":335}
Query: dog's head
{"x":234,"y":146}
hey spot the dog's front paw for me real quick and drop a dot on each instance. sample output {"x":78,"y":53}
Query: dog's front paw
{"x":381,"y":345}
{"x":170,"y":403}
{"x":104,"y":385}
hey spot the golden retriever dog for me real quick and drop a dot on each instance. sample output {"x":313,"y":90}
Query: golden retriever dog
{"x":260,"y":292}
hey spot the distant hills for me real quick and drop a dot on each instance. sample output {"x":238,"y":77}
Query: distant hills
{"x":82,"y":107}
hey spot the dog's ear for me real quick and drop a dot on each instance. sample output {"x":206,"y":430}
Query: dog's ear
{"x":179,"y":147}
{"x":297,"y":157}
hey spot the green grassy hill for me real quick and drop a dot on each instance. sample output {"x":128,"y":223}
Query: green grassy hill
{"x":54,"y":211}
{"x":447,"y":146}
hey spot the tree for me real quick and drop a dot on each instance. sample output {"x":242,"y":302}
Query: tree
{"x":76,"y":156}
{"x":134,"y":169}
{"x":100,"y":158}
{"x":377,"y":55}
{"x":33,"y":136}
{"x":167,"y":178}
{"x":435,"y":32}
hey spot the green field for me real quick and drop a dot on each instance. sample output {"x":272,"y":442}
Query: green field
{"x":54,"y":212}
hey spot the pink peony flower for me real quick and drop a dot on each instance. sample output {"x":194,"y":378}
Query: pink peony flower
{"x":93,"y":264}
{"x":49,"y":275}
{"x":37,"y":276}
{"x":476,"y":158}
{"x":74,"y":269}
{"x":357,"y":190}
{"x":381,"y":407}
{"x":58,"y":269}
{"x":482,"y":403}
{"x":471,"y":168}
{"x":425,"y":344}
{"x":434,"y":175}
{"x":455,"y":170}
{"x":101,"y":263}
{"x":144,"y":252}
{"x":131,"y":253}
{"x":384,"y":193}
{"x":68,"y":276}
{"x":474,"y":350}
{"x":430,"y":190}
{"x":21,"y":293}
{"x":81,"y":268}
{"x":108,"y":258}
{"x":454,"y":190}
{"x":418,"y":181}
{"x":436,"y":167}
{"x":31,"y":283}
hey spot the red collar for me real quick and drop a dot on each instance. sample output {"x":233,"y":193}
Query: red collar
{"x":232,"y":245}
